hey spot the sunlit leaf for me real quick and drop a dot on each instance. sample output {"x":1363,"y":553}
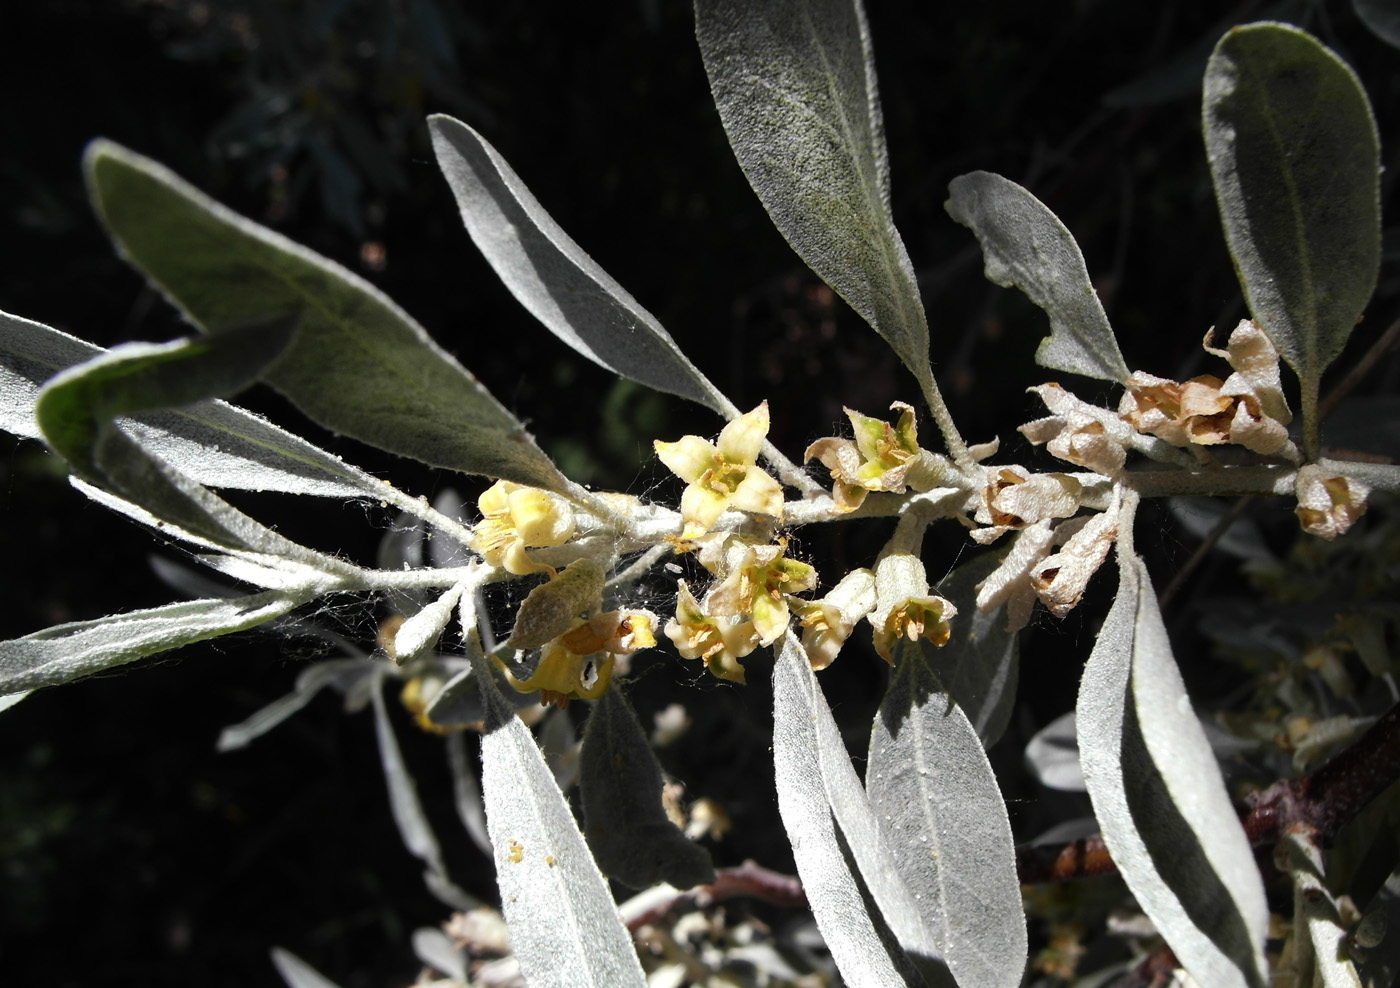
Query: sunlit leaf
{"x":1296,"y":164}
{"x":1315,"y":909}
{"x":75,"y":411}
{"x":1026,"y":246}
{"x":794,"y":81}
{"x":359,"y":365}
{"x":942,"y":821}
{"x":1160,"y":800}
{"x":421,"y":631}
{"x":554,"y":278}
{"x":620,"y":782}
{"x":212,"y":442}
{"x":838,"y":864}
{"x":80,"y":648}
{"x":564,"y":926}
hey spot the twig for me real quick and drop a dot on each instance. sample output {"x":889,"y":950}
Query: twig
{"x":748,"y":880}
{"x":1221,"y":527}
{"x":1153,"y":971}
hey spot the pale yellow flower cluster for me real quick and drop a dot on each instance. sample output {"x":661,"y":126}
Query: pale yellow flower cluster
{"x":747,"y":606}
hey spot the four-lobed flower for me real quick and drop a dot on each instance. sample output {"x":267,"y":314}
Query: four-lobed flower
{"x":879,"y":458}
{"x":723,"y":474}
{"x":516,"y":518}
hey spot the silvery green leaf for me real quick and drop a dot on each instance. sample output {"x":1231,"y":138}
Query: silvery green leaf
{"x":564,"y":926}
{"x":941,"y":819}
{"x":441,"y":953}
{"x":310,"y":682}
{"x":1026,"y":246}
{"x":794,"y":81}
{"x":620,"y":782}
{"x":80,"y":648}
{"x":76,"y":408}
{"x":359,"y":365}
{"x":1382,"y":17}
{"x":420,"y":632}
{"x":297,"y":973}
{"x":313,"y":571}
{"x":466,"y":788}
{"x":808,"y":764}
{"x":1296,"y":164}
{"x":1052,"y":755}
{"x":414,"y":828}
{"x":212,"y":442}
{"x":10,"y":699}
{"x":1323,"y":947}
{"x":979,"y":665}
{"x":554,"y":278}
{"x":1160,"y":800}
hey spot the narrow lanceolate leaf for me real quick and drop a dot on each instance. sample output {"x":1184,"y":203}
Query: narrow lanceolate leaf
{"x":942,"y":820}
{"x":414,"y":828}
{"x":564,"y":926}
{"x":551,"y":275}
{"x":620,"y":781}
{"x":1026,"y":246}
{"x":1296,"y":164}
{"x":77,"y":406}
{"x":978,"y":667}
{"x":76,"y":410}
{"x":794,"y":81}
{"x":1321,"y":937}
{"x":297,"y":973}
{"x":359,"y":365}
{"x":807,"y":760}
{"x":1160,"y":800}
{"x":69,"y":651}
{"x":212,"y":442}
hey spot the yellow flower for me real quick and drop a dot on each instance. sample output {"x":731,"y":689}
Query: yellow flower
{"x":757,"y":588}
{"x":905,"y":608}
{"x":720,"y":641}
{"x":562,"y":672}
{"x":878,"y":460}
{"x":827,"y":623}
{"x":723,"y":475}
{"x":515,"y":518}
